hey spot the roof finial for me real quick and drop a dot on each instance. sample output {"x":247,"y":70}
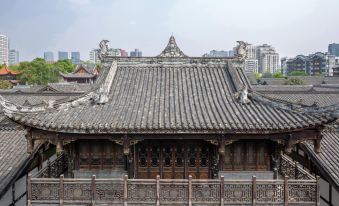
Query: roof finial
{"x":172,"y":49}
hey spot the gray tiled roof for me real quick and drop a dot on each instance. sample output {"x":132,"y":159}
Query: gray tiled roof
{"x":321,"y":95}
{"x":35,"y":99}
{"x":183,"y":95}
{"x":310,"y":80}
{"x":64,"y":87}
{"x":320,"y":99}
{"x":328,"y":159}
{"x":78,"y":75}
{"x":13,"y":155}
{"x":284,"y":88}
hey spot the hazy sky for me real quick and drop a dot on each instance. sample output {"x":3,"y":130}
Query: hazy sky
{"x":292,"y":26}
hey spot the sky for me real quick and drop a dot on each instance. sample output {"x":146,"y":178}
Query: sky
{"x":292,"y":26}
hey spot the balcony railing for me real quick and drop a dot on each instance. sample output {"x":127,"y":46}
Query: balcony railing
{"x":297,"y":188}
{"x":124,"y":191}
{"x":54,"y":168}
{"x":291,"y":169}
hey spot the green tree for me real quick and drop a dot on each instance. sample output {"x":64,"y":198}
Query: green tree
{"x":36,"y":72}
{"x":297,"y":73}
{"x":64,"y":66}
{"x":40,"y":72}
{"x":266,"y":75}
{"x":257,"y":75}
{"x":295,"y":81}
{"x":4,"y":84}
{"x":278,"y":75}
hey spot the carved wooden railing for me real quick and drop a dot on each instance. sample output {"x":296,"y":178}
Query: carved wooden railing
{"x":54,"y":168}
{"x":123,"y":191}
{"x":291,"y":169}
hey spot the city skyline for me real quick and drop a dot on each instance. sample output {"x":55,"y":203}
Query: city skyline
{"x":215,"y":26}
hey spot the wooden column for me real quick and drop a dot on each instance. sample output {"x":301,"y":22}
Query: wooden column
{"x":286,"y":191}
{"x":93,"y":190}
{"x":158,"y":190}
{"x":190,"y":190}
{"x":29,"y":190}
{"x":221,"y":154}
{"x":318,"y":191}
{"x":61,"y":190}
{"x":125,"y":190}
{"x":222,"y":192}
{"x":254,"y":190}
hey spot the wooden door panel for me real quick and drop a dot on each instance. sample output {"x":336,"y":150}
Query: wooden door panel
{"x":174,"y":159}
{"x":246,"y":156}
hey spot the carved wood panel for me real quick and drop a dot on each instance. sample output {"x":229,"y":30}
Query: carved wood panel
{"x":98,"y":155}
{"x":174,"y":159}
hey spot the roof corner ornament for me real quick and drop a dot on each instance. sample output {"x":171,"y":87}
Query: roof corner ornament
{"x":103,"y":50}
{"x":243,"y":95}
{"x":241,"y":50}
{"x":103,"y":95}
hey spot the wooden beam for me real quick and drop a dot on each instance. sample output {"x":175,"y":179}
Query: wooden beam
{"x":59,"y":147}
{"x":126,"y":144}
{"x":317,"y":144}
{"x":289,"y":143}
{"x":30,"y":141}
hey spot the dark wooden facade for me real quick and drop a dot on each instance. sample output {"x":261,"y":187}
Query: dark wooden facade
{"x":169,"y":158}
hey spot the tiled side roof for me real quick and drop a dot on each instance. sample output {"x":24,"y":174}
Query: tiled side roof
{"x":173,"y":98}
{"x":328,"y":159}
{"x":78,"y":75}
{"x":13,"y":155}
{"x":321,"y":95}
{"x":284,"y":88}
{"x":310,"y":80}
{"x":331,"y":80}
{"x":321,"y":100}
{"x":35,"y":99}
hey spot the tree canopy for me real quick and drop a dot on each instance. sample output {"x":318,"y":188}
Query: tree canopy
{"x":267,"y":75}
{"x":40,"y":72}
{"x":295,"y":81}
{"x":278,"y":75}
{"x":5,"y":84}
{"x":297,"y":73}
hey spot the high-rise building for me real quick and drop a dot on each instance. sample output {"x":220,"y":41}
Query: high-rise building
{"x":216,"y":53}
{"x":136,"y":53}
{"x":13,"y":57}
{"x":333,"y":49}
{"x":268,"y":59}
{"x":252,"y":52}
{"x":75,"y":57}
{"x":4,"y":49}
{"x":114,"y":52}
{"x":251,"y":65}
{"x":49,"y":57}
{"x":62,"y":55}
{"x":94,"y":56}
{"x":283,"y":64}
{"x":123,"y":53}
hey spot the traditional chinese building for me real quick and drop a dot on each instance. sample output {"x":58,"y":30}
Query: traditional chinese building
{"x":82,"y":74}
{"x":172,"y":117}
{"x":7,"y":74}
